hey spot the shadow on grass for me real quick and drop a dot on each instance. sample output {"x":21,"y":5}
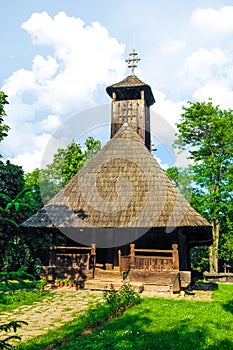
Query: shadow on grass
{"x":131,"y":332}
{"x":173,"y":325}
{"x":228,"y":306}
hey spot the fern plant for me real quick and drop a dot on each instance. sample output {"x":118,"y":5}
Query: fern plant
{"x":5,"y":343}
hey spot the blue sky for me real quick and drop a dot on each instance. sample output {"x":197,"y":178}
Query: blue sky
{"x":57,"y":57}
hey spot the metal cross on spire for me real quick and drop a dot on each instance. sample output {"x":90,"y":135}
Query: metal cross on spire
{"x":132,"y":60}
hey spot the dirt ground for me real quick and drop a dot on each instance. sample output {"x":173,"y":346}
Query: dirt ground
{"x":66,"y":305}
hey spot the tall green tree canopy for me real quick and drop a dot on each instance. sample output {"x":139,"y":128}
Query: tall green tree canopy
{"x":45,"y":183}
{"x":206,"y":132}
{"x":74,"y":157}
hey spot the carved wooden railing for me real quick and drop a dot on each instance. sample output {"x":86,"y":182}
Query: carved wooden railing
{"x":161,"y":260}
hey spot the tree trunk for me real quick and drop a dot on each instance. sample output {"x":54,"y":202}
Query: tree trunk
{"x":213,"y":256}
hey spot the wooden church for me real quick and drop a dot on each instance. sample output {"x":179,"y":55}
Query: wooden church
{"x":120,"y":211}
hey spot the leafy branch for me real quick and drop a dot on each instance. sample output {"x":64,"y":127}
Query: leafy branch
{"x":4,"y":343}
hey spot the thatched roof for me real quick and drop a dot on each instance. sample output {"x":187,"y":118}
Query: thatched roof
{"x":123,"y":186}
{"x":130,"y":88}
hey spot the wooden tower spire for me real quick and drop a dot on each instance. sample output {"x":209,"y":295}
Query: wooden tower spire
{"x":131,"y":101}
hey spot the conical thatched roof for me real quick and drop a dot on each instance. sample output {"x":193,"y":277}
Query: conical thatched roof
{"x":130,"y":88}
{"x":122,"y":186}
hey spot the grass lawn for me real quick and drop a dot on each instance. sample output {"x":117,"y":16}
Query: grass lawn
{"x":10,"y":300}
{"x":153,"y":324}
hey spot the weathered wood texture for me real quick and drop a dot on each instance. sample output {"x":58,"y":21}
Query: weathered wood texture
{"x":161,"y":268}
{"x":221,"y":277}
{"x":135,"y":113}
{"x":66,"y":263}
{"x":161,"y":260}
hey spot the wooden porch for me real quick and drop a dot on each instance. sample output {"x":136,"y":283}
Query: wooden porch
{"x":152,"y":266}
{"x":145,"y":268}
{"x":159,"y":260}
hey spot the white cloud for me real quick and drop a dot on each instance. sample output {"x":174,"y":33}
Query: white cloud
{"x":32,"y":159}
{"x":214,"y":22}
{"x":83,"y":58}
{"x":86,"y":57}
{"x":50,"y":123}
{"x":162,"y":164}
{"x":220,"y":93}
{"x":202,"y":64}
{"x":166,"y":108}
{"x":44,"y":69}
{"x":19,"y":82}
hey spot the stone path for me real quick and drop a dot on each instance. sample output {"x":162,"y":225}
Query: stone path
{"x":50,"y":313}
{"x":64,"y":306}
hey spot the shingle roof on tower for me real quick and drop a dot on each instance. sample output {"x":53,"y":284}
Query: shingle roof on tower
{"x":130,"y":88}
{"x":131,"y":80}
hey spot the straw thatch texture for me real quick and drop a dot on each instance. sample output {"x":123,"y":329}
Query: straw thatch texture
{"x":122,"y":186}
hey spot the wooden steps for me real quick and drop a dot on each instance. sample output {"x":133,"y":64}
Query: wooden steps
{"x":152,"y":284}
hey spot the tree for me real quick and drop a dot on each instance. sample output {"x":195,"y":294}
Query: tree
{"x":13,"y":210}
{"x":182,"y":179}
{"x":45,"y":183}
{"x":206,"y":132}
{"x":3,"y":127}
{"x":75,"y":157}
{"x":11,"y":178}
{"x":16,"y":202}
{"x":11,"y":183}
{"x":40,"y":187}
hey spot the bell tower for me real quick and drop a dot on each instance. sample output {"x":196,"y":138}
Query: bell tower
{"x":131,"y":101}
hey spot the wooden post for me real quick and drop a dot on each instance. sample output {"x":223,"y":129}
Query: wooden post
{"x":184,"y":254}
{"x":119,"y":259}
{"x":93,"y":249}
{"x":93,"y":252}
{"x":132,"y":254}
{"x":88,"y":261}
{"x":52,"y":260}
{"x":175,"y":255}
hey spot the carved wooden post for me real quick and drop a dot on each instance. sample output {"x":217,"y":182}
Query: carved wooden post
{"x":132,"y":253}
{"x":119,"y":260}
{"x":175,"y":255}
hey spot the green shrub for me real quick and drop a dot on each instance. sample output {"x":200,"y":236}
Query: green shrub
{"x":119,"y":300}
{"x":40,"y":287}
